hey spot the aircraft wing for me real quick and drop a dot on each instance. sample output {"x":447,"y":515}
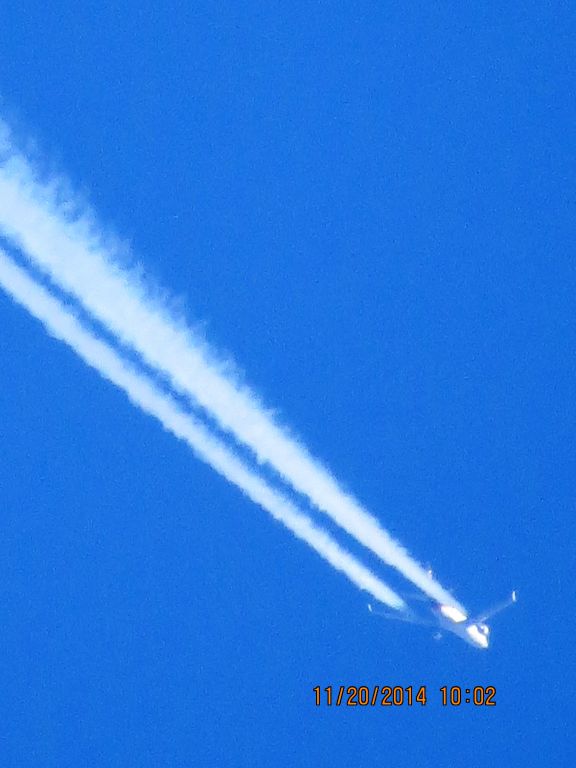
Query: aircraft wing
{"x":482,"y":617}
{"x":407,"y":616}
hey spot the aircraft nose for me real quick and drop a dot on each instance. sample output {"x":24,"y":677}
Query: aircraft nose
{"x":479,"y":638}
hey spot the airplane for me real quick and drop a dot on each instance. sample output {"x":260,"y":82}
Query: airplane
{"x":447,"y":618}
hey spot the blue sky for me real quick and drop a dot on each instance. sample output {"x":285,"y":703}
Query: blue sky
{"x":370,"y":209}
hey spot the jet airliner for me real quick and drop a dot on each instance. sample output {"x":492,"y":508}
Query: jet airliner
{"x":472,"y":630}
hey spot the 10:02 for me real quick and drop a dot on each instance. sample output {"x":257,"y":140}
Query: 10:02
{"x":480,"y":696}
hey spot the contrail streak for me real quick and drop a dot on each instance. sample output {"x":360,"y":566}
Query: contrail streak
{"x":61,"y":324}
{"x":38,"y":218}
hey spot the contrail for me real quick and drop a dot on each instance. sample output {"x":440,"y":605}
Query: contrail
{"x":39,"y":218}
{"x":61,"y":324}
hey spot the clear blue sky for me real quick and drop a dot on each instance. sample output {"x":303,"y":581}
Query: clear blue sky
{"x":370,"y":207}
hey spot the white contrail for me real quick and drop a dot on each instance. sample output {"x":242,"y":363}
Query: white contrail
{"x":39,"y":219}
{"x":60,"y":323}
